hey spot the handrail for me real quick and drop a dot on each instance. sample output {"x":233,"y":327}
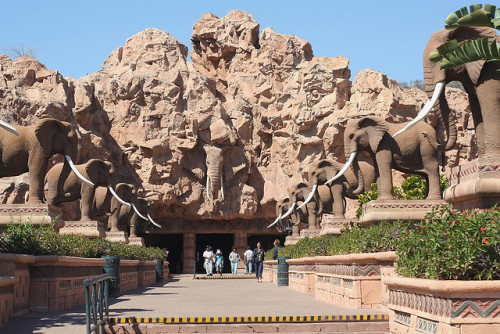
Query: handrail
{"x":96,"y":303}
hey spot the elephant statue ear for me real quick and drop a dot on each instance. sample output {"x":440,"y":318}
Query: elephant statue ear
{"x":376,"y":128}
{"x":193,"y":162}
{"x":44,"y":132}
{"x":235,"y":162}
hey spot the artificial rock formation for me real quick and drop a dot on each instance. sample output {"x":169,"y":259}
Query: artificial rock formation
{"x":260,"y":98}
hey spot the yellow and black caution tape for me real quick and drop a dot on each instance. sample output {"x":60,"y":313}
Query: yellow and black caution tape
{"x":242,"y":320}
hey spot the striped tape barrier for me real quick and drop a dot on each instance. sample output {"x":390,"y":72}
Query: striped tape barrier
{"x":225,"y":277}
{"x":241,"y":320}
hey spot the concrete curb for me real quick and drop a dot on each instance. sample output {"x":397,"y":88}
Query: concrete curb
{"x":242,"y":320}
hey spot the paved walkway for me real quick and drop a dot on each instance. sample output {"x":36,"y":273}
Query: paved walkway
{"x":184,"y":297}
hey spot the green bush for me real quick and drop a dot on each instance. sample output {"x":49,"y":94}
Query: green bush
{"x":452,"y":244}
{"x":24,"y":238}
{"x":355,"y":239}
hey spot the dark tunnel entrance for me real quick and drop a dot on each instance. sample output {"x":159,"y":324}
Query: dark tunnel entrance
{"x":224,"y":242}
{"x":175,"y":246}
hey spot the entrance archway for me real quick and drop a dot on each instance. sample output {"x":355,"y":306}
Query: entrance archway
{"x":174,"y":243}
{"x":222,"y":241}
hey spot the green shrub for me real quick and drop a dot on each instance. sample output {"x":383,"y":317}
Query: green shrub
{"x":355,"y":239}
{"x":24,"y":238}
{"x":452,"y":244}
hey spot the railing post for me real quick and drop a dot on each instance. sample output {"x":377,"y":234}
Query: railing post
{"x":96,"y":303}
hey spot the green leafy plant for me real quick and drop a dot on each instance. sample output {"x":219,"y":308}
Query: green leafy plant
{"x":452,"y":244}
{"x":452,"y":53}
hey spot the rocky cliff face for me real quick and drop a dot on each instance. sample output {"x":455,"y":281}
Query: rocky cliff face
{"x":250,"y":112}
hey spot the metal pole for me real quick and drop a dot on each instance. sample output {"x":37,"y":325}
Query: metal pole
{"x":194,"y":266}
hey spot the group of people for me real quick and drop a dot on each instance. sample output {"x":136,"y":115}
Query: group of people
{"x":254,"y":260}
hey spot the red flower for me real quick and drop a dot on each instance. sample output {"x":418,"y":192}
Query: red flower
{"x":492,"y":223}
{"x":447,"y":233}
{"x":453,"y":223}
{"x":482,"y":229}
{"x":486,"y":241}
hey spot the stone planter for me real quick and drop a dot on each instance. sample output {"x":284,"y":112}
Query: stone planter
{"x":302,"y":274}
{"x":434,"y":306}
{"x":7,"y":284}
{"x":146,"y":273}
{"x":128,"y":275}
{"x":18,"y":266}
{"x":352,"y":280}
{"x":57,"y":282}
{"x":270,"y":271}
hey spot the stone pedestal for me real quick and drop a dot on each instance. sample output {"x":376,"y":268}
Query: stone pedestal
{"x":36,"y":214}
{"x":475,"y":184}
{"x":136,"y":241}
{"x":118,"y":236}
{"x":332,"y":225}
{"x":89,"y":228}
{"x":291,"y":240}
{"x":392,"y":210}
{"x":309,"y":233}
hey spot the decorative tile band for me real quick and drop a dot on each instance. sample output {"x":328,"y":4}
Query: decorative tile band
{"x":403,"y":318}
{"x":427,"y":326}
{"x":349,"y":270}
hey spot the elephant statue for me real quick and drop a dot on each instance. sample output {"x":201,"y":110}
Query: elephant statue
{"x":142,"y":205}
{"x":221,"y":166}
{"x":31,"y":150}
{"x":349,"y":185}
{"x":117,"y":205}
{"x":99,"y":172}
{"x":411,"y":152}
{"x":481,"y":81}
{"x":9,"y":127}
{"x":312,"y":209}
{"x":282,"y":207}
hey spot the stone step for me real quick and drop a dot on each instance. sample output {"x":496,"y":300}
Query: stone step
{"x":269,"y":324}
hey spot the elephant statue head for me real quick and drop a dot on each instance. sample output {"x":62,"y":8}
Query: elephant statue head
{"x":282,"y":207}
{"x":9,"y":127}
{"x":122,"y":204}
{"x":75,"y":186}
{"x":142,"y":211}
{"x":481,"y":81}
{"x":220,"y":167}
{"x":298,"y":195}
{"x":31,"y":150}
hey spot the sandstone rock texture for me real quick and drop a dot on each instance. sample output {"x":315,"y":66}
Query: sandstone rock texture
{"x":261,"y":98}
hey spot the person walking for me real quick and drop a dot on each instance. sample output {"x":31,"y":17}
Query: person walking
{"x":248,"y":258}
{"x":234,"y":257}
{"x":219,"y":262}
{"x":276,"y":249}
{"x":208,"y":255}
{"x":259,"y":256}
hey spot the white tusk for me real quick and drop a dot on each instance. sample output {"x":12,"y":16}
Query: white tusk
{"x":221,"y":189}
{"x":9,"y":127}
{"x":342,"y":171}
{"x":138,"y":213}
{"x":289,"y":211}
{"x":308,"y":199}
{"x":207,"y":186}
{"x":153,"y":222}
{"x":275,"y":222}
{"x":111,"y":190}
{"x":425,"y":110}
{"x":80,"y":176}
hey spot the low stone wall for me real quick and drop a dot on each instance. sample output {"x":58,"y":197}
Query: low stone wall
{"x":434,"y":306}
{"x":146,"y":273}
{"x":353,"y":280}
{"x":302,"y":274}
{"x":128,"y":275}
{"x":7,"y":284}
{"x":18,"y":266}
{"x":57,"y":281}
{"x":270,"y":271}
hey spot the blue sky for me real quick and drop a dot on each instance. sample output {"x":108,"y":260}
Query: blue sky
{"x":75,"y":37}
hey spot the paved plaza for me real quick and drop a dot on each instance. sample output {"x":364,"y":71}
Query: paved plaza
{"x":184,"y":297}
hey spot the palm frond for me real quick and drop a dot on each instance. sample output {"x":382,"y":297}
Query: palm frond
{"x":454,"y":54}
{"x":477,"y":15}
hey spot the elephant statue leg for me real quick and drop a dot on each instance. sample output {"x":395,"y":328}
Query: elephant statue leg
{"x":87,"y":198}
{"x":312,"y":215}
{"x":37,"y":169}
{"x":384,"y":184}
{"x":489,"y":101}
{"x":338,"y":201}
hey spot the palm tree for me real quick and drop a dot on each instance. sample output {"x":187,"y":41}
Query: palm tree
{"x":452,"y":53}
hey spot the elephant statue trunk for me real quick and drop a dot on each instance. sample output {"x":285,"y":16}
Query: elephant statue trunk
{"x":443,"y":112}
{"x":215,"y":162}
{"x":361,"y":181}
{"x":352,"y":157}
